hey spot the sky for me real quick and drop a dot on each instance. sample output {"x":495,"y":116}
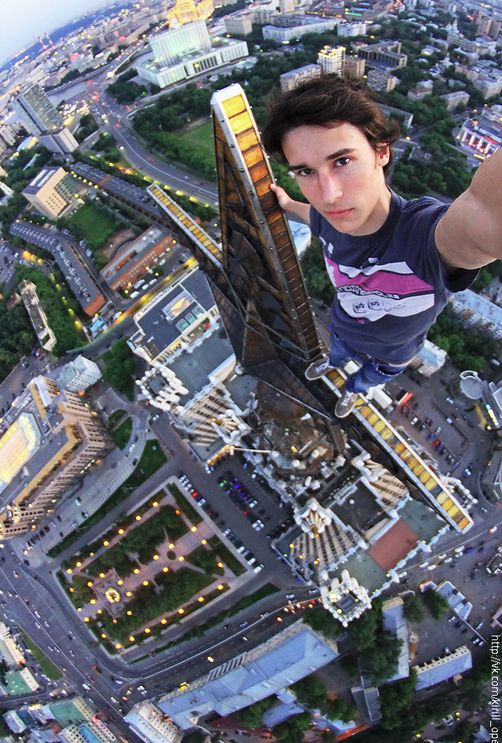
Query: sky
{"x":23,"y":20}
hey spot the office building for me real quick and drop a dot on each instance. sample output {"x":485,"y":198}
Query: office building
{"x":37,"y":315}
{"x":356,"y":28}
{"x":148,"y":722}
{"x":381,"y":80}
{"x":60,"y":142}
{"x":169,"y":46}
{"x":287,"y":27}
{"x":51,"y":192}
{"x":385,"y":54}
{"x":52,"y":438}
{"x":175,"y":319}
{"x":186,"y":11}
{"x":291,"y":79}
{"x":78,"y":375}
{"x":457,"y":99}
{"x":140,"y":258}
{"x":354,"y":66}
{"x":478,"y":311}
{"x":429,"y":359}
{"x":331,"y":59}
{"x":62,"y":248}
{"x":187,"y":51}
{"x":421,"y":90}
{"x":457,"y":662}
{"x":36,"y":112}
{"x":9,"y":134}
{"x":242,"y":25}
{"x":269,"y":669}
{"x":482,"y":136}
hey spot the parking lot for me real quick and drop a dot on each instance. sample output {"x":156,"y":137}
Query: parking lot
{"x":442,"y":426}
{"x":241,"y":492}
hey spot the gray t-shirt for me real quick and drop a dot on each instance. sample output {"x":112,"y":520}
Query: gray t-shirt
{"x":391,"y":285}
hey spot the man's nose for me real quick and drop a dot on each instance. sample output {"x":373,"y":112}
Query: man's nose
{"x":329,"y":187}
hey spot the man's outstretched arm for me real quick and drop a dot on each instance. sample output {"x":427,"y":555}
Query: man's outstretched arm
{"x":295,"y":210}
{"x":470,"y":233}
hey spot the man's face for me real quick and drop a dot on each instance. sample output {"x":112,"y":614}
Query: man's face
{"x":341,"y":175}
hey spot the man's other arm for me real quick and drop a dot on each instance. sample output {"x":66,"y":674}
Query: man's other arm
{"x":295,"y":210}
{"x":469,"y":235}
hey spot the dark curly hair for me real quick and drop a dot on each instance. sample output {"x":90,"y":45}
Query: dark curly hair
{"x":328,"y":101}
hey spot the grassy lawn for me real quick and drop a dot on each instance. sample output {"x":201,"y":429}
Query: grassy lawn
{"x":122,"y":434}
{"x":94,"y":225}
{"x":227,"y":557}
{"x":200,"y":138}
{"x":46,"y":665}
{"x":185,"y":506}
{"x":151,"y":460}
{"x":114,"y":418}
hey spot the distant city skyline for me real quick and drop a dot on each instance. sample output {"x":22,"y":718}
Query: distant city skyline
{"x":24,"y":20}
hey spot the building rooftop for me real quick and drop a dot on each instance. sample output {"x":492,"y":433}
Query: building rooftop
{"x":287,"y":657}
{"x":194,"y":368}
{"x":173,"y":311}
{"x":74,"y":270}
{"x":394,"y":622}
{"x":40,"y":180}
{"x":444,"y":668}
{"x":394,"y":545}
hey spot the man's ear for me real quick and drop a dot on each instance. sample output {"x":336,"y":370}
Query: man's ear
{"x":383,"y":154}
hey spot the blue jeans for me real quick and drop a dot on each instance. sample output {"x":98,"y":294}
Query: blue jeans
{"x":371,"y":372}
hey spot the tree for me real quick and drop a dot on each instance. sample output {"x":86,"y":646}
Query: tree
{"x":380,"y":660}
{"x":293,"y":728}
{"x":413,"y":608}
{"x":362,"y":631}
{"x":437,"y":604}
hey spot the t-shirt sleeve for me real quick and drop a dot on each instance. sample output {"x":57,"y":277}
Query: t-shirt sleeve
{"x":422,"y":217}
{"x":315,"y":222}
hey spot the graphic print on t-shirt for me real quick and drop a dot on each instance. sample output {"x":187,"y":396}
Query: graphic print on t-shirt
{"x":369,"y":293}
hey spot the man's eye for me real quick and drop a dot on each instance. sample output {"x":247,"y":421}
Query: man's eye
{"x":304,"y":172}
{"x":342,"y":161}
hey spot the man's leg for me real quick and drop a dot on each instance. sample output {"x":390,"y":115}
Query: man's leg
{"x":339,"y":353}
{"x":372,"y":373}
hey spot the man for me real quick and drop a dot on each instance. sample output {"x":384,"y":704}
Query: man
{"x":393,"y":262}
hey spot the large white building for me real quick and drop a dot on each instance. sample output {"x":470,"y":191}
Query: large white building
{"x":36,"y":112}
{"x":152,"y":725}
{"x":79,"y":374}
{"x":291,"y":79}
{"x":187,"y":51}
{"x":289,"y":27}
{"x":331,"y":59}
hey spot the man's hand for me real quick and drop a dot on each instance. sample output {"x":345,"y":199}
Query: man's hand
{"x":282,"y":197}
{"x":294,"y":209}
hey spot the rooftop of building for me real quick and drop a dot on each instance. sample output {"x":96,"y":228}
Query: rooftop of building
{"x":430,"y":674}
{"x":275,"y":664}
{"x":66,"y":711}
{"x":293,"y":20}
{"x":483,"y":306}
{"x":132,"y":251}
{"x":194,"y":368}
{"x":40,"y":180}
{"x":173,"y":311}
{"x":74,"y":270}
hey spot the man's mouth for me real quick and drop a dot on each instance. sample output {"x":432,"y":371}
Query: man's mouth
{"x":337,"y":213}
